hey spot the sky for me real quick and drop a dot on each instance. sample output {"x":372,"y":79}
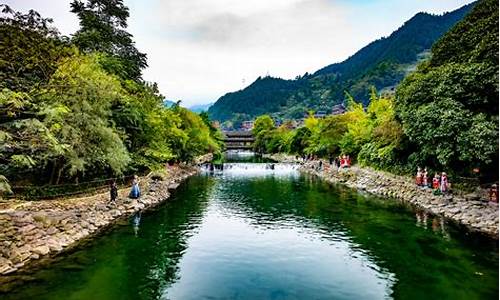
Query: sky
{"x":198,"y":50}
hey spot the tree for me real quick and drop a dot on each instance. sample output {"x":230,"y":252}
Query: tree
{"x":199,"y":141}
{"x":25,"y":140}
{"x":300,"y":140}
{"x":69,"y":114}
{"x":29,"y":49}
{"x":262,"y":123}
{"x":449,"y":106}
{"x":102,"y":29}
{"x":79,"y":97}
{"x":262,"y":129}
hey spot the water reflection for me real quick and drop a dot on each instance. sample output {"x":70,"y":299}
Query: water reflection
{"x":251,"y":247}
{"x":438,"y":223}
{"x":421,"y":216}
{"x":259,"y":233}
{"x":136,"y":220}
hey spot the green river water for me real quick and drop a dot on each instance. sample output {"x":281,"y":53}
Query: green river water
{"x":254,"y":233}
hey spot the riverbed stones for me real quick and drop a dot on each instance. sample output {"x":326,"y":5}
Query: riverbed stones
{"x":32,"y":230}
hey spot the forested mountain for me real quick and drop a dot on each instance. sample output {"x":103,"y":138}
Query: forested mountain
{"x":443,"y":116}
{"x":382,"y":63}
{"x":266,"y":94}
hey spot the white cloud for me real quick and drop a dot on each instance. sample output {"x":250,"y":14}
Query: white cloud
{"x":200,"y":49}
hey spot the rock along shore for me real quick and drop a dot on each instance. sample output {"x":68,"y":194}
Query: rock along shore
{"x":476,"y":214}
{"x":32,"y":230}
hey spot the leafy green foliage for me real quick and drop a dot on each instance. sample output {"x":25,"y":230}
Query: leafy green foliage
{"x":262,"y":131}
{"x":29,"y":49}
{"x":72,"y":116}
{"x":4,"y":186}
{"x":449,"y":107}
{"x":102,"y":29}
{"x":200,"y":138}
{"x":262,"y":123}
{"x":373,"y":136}
{"x":25,"y":140}
{"x":78,"y":102}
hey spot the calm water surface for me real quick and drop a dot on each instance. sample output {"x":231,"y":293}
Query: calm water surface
{"x":255,"y":233}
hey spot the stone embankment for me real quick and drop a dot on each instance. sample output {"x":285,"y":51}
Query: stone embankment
{"x":470,"y":210}
{"x":32,"y":230}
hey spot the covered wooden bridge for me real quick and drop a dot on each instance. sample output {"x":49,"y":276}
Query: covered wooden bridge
{"x":238,"y":140}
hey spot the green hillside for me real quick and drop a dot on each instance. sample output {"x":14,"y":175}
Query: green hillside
{"x":443,"y":116}
{"x":449,"y":107}
{"x":383,"y":64}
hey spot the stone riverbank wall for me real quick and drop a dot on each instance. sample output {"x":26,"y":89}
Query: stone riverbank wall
{"x":32,"y":230}
{"x":470,"y":210}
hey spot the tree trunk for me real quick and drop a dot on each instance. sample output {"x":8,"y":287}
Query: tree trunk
{"x":59,"y":172}
{"x":53,"y":173}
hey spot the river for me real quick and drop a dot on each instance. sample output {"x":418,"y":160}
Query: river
{"x":253,"y":231}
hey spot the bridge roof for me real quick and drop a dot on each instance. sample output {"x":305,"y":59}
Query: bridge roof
{"x":238,"y":133}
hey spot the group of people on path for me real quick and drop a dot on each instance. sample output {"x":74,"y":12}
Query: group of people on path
{"x":340,"y":162}
{"x":135,"y":191}
{"x":439,"y":183}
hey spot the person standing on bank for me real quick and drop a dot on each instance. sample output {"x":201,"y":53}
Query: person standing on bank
{"x":436,"y":182}
{"x":444,"y":183}
{"x":113,"y":192}
{"x":135,"y":192}
{"x":425,"y":178}
{"x":418,"y":178}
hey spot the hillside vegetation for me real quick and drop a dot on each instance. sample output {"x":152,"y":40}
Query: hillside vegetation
{"x":382,"y":64}
{"x":76,"y":109}
{"x":443,"y":116}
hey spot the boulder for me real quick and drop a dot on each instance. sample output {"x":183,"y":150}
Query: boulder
{"x":26,"y":229}
{"x":54,"y":246}
{"x":472,"y":197}
{"x":16,"y":256}
{"x":52,"y":230}
{"x":5,"y":270}
{"x":41,"y":250}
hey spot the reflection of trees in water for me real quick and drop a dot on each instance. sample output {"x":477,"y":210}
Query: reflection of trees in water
{"x":384,"y":229}
{"x":153,"y":264}
{"x":424,"y":262}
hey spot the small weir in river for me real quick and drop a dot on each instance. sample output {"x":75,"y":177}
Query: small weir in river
{"x":252,"y":169}
{"x":255,"y":230}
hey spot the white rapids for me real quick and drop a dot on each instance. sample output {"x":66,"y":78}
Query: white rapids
{"x":252,"y":169}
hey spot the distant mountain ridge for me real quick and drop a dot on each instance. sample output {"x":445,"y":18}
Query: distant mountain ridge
{"x":198,"y":108}
{"x":382,"y":63}
{"x":168,"y":103}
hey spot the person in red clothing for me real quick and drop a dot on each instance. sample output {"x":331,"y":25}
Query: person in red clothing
{"x":435,"y":182}
{"x":494,"y":193}
{"x":418,"y":179}
{"x":424,"y":178}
